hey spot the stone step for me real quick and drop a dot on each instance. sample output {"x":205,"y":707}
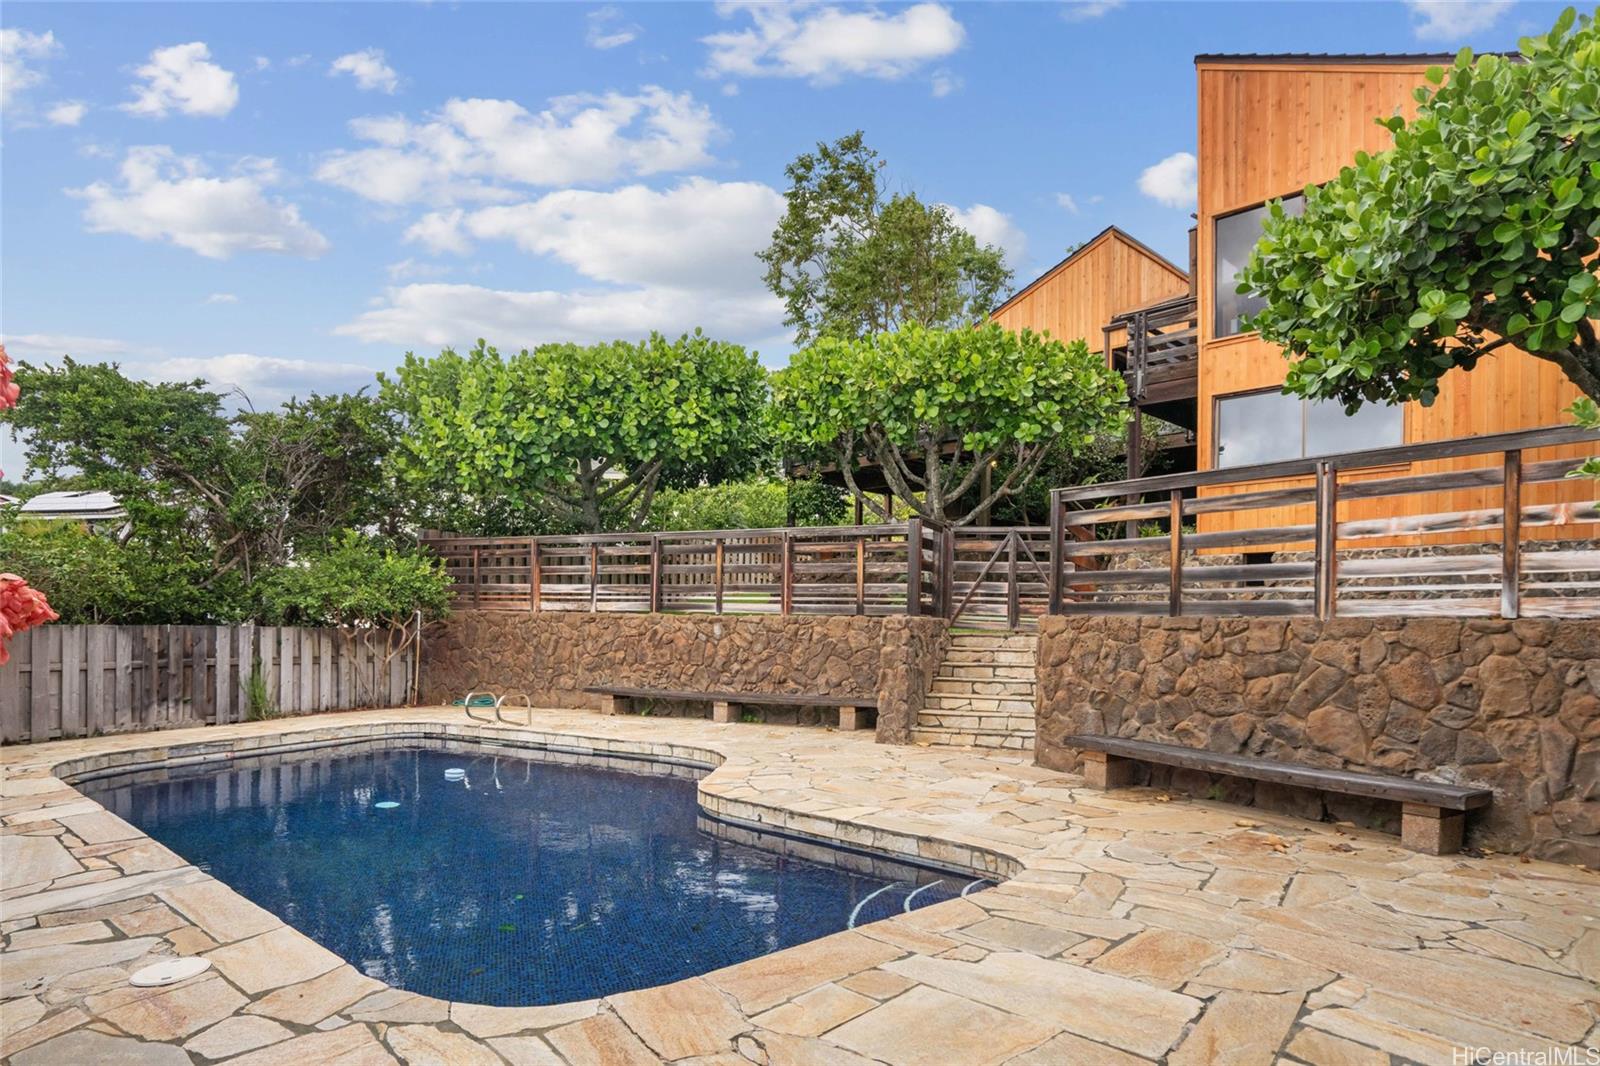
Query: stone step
{"x":988,"y":704}
{"x":986,"y":673}
{"x":1005,"y":690}
{"x":989,"y":657}
{"x":976,"y":721}
{"x":995,"y":641}
{"x":956,"y":738}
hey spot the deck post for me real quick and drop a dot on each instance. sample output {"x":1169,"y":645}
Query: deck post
{"x":536,"y":576}
{"x":861,"y":573}
{"x":1013,"y":598}
{"x":716,"y":574}
{"x":477,"y":581}
{"x":947,"y":572}
{"x":1511,"y":536}
{"x":786,"y":591}
{"x":1058,"y":546}
{"x":594,"y":577}
{"x":1175,"y":559}
{"x":655,"y":573}
{"x":1135,"y":464}
{"x":914,"y":566}
{"x":1325,"y":581}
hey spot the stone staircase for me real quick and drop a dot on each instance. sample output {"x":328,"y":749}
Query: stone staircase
{"x":982,"y":696}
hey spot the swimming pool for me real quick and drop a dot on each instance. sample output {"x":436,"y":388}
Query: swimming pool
{"x":508,"y":876}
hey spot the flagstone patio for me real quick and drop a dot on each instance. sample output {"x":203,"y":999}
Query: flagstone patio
{"x":1132,"y":927}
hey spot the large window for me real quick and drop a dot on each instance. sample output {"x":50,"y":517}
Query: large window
{"x":1265,"y":427}
{"x":1236,"y":235}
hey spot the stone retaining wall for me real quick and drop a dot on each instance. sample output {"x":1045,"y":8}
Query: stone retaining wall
{"x":553,"y":656}
{"x":1513,"y":706}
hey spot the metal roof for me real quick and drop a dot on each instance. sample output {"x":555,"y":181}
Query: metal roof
{"x":1337,"y":58}
{"x":88,"y":506}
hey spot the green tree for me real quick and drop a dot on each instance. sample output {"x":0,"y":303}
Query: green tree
{"x":849,"y":260}
{"x":372,"y":592}
{"x":250,"y":487}
{"x":935,"y":408}
{"x":1477,"y":230}
{"x":755,"y":503}
{"x":587,"y":433}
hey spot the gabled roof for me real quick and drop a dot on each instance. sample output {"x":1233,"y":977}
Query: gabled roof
{"x":1109,"y":233}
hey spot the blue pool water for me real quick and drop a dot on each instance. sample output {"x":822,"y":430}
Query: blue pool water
{"x":531,"y":879}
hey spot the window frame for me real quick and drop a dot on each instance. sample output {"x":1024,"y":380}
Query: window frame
{"x":1216,"y":245}
{"x":1305,"y":423}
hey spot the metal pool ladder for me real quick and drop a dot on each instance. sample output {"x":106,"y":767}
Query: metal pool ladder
{"x":499,"y":705}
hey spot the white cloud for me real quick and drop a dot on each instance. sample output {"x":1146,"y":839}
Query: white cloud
{"x":263,"y":63}
{"x":651,"y":259}
{"x":66,"y":113}
{"x":607,"y":29}
{"x":55,"y":345}
{"x":700,"y":233}
{"x":1084,"y":10}
{"x":468,"y":146}
{"x":825,"y":43}
{"x":368,"y":67}
{"x":266,"y":380}
{"x":440,"y":231}
{"x":992,"y":227}
{"x":944,"y":83}
{"x":434,"y":315}
{"x":1452,"y":20}
{"x":222,"y":298}
{"x":18,"y":48}
{"x":167,"y":197}
{"x":1067,"y":203}
{"x":1173,"y":181}
{"x":407,"y":269}
{"x":183,"y":78}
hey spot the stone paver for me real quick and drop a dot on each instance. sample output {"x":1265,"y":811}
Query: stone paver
{"x":1127,"y":930}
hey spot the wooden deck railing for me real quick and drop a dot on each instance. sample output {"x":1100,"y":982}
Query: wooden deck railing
{"x":865,"y":570}
{"x":1199,"y":524}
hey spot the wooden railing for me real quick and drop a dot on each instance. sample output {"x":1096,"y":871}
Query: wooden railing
{"x":1221,"y":544}
{"x":865,"y":570}
{"x":1160,"y":338}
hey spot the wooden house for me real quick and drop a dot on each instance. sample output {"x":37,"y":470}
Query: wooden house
{"x":1268,"y":126}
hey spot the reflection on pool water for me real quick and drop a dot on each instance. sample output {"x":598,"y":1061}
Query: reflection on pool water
{"x":508,"y":876}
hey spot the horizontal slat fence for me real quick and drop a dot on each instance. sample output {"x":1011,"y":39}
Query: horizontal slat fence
{"x":866,"y":570}
{"x":86,"y":680}
{"x":1319,"y":566}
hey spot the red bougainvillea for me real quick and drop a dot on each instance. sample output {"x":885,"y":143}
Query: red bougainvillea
{"x":21,"y":605}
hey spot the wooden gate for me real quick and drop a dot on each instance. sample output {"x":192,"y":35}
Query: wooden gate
{"x":996,"y":578}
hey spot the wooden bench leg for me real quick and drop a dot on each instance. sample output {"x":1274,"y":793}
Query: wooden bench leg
{"x":724,"y":711}
{"x":614,"y":705}
{"x":1107,"y":771}
{"x":1431,"y":830}
{"x":853,"y":718}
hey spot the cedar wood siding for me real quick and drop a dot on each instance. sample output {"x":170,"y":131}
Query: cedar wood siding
{"x":1076,"y":298}
{"x":1269,"y":128}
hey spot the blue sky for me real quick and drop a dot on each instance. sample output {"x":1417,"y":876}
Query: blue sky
{"x":287,"y":197}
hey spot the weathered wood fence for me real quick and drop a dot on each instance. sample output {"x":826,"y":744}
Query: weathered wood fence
{"x":82,"y":680}
{"x":1271,"y":539}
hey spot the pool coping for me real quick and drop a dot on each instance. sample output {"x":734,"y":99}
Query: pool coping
{"x":1048,"y":874}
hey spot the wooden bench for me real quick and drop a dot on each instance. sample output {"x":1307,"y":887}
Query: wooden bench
{"x":1432,"y":815}
{"x":725,"y":705}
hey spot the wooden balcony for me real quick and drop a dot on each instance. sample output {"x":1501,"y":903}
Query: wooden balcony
{"x":1156,"y":348}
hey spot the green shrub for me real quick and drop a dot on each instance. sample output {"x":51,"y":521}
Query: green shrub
{"x":761,"y":503}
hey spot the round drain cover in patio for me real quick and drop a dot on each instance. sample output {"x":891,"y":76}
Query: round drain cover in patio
{"x":169,"y":972}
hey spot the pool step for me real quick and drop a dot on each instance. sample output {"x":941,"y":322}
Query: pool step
{"x":982,"y":694}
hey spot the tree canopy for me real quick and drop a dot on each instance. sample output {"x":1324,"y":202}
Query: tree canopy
{"x":848,"y":259}
{"x":248,"y":486}
{"x":588,"y":432}
{"x":1477,"y":230}
{"x":935,"y":408}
